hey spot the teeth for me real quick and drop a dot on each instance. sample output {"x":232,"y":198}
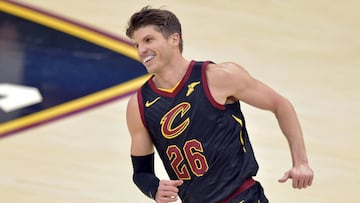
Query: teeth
{"x":148,"y":58}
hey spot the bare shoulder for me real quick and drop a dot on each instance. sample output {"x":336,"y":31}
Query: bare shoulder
{"x":226,"y":68}
{"x":228,"y":71}
{"x":226,"y":80}
{"x":132,"y":101}
{"x":228,"y":65}
{"x":132,"y":107}
{"x":133,"y":117}
{"x":223,"y":65}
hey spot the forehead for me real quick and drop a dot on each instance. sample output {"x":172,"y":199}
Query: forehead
{"x":142,"y":32}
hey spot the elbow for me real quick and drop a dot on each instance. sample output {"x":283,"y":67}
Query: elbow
{"x":281,"y":105}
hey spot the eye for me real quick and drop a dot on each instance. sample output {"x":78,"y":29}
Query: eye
{"x":148,"y":40}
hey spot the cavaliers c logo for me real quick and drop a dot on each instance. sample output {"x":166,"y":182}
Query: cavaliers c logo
{"x":167,"y":129}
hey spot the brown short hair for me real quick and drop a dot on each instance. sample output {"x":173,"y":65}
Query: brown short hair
{"x":166,"y":22}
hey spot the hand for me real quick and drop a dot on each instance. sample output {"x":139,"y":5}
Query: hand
{"x":168,"y":191}
{"x":302,"y":176}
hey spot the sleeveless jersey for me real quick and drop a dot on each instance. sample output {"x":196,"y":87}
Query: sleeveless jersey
{"x":198,"y":140}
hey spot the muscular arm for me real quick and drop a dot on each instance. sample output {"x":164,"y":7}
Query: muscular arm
{"x":230,"y":81}
{"x":142,"y":154}
{"x":141,"y":143}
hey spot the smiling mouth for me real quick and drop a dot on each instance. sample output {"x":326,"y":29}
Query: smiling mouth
{"x":148,"y":58}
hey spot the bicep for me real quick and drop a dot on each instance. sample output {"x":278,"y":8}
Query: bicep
{"x":260,"y":95}
{"x":141,"y":143}
{"x":231,"y":80}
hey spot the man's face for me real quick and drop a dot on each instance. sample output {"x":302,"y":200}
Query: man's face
{"x":154,"y":50}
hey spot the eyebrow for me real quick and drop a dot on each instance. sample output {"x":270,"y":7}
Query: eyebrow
{"x":143,"y":39}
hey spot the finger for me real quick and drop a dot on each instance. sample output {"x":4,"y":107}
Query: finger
{"x":284,"y":178}
{"x":295,"y":183}
{"x":171,"y":198}
{"x":168,"y":188}
{"x":179,"y":182}
{"x":307,"y":180}
{"x":167,"y":199}
{"x":310,"y":181}
{"x":300,"y":181}
{"x":172,"y":182}
{"x":168,"y":183}
{"x":166,"y":196}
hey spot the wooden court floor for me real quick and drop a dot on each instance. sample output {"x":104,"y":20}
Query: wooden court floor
{"x":309,"y":51}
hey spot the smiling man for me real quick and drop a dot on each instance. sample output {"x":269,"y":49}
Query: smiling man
{"x":190,"y":111}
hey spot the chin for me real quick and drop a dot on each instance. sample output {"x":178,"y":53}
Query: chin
{"x":150,"y":69}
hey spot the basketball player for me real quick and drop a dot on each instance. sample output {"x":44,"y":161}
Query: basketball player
{"x":190,"y":112}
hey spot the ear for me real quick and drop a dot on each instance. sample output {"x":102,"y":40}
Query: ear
{"x":175,"y":39}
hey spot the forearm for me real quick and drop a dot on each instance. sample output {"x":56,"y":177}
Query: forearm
{"x":290,"y":126}
{"x":144,"y":175}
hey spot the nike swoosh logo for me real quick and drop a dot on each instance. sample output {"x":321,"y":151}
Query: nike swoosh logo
{"x":149,"y":103}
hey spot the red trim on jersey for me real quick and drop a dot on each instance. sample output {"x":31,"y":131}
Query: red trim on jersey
{"x":248,"y":183}
{"x":178,"y":88}
{"x":206,"y":87}
{"x":141,"y":106}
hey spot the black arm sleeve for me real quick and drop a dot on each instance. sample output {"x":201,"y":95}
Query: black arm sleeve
{"x":144,"y":174}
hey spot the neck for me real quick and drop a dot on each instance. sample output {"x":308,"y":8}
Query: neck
{"x":172,"y":74}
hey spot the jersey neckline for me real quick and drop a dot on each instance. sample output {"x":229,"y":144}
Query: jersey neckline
{"x":176,"y":90}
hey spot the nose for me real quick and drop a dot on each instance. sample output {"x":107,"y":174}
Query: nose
{"x":141,"y":49}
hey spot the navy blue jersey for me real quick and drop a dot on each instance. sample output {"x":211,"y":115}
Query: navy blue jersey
{"x":199,"y":140}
